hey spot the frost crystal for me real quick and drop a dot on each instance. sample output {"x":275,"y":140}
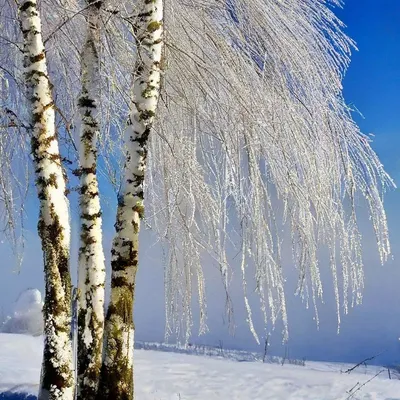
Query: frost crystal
{"x":254,"y":134}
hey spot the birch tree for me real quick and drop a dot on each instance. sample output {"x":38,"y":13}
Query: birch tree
{"x":237,"y":129}
{"x":252,"y":134}
{"x":57,"y":379}
{"x":91,"y":278}
{"x":117,"y":370}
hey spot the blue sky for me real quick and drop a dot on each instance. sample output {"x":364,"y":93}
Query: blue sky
{"x":372,"y":84}
{"x":373,"y":80}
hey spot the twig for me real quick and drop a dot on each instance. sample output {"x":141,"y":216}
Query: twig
{"x":362,"y":362}
{"x":351,"y":395}
{"x":68,"y":19}
{"x":265,"y":348}
{"x":67,"y":125}
{"x":13,"y":118}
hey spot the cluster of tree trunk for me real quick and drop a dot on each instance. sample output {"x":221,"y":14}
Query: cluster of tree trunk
{"x":108,"y":375}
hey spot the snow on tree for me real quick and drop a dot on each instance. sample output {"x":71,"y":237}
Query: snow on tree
{"x":251,"y":133}
{"x":237,"y":128}
{"x":91,"y":279}
{"x":57,"y":380}
{"x":14,"y":148}
{"x":117,"y":370}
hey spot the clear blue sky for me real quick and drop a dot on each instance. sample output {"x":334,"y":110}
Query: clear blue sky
{"x":372,"y":84}
{"x":373,"y":80}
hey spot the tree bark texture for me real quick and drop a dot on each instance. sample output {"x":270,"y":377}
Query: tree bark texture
{"x":116,"y":380}
{"x":91,"y":274}
{"x":57,"y":377}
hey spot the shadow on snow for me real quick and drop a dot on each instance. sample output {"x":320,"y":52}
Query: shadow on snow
{"x":16,"y":396}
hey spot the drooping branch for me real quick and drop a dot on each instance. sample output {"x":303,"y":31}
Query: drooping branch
{"x":265,"y":78}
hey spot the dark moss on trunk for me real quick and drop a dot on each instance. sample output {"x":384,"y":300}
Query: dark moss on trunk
{"x":116,"y":379}
{"x":86,"y":365}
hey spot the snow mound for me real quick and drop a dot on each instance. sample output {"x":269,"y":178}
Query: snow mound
{"x":30,"y":300}
{"x":27,"y":315}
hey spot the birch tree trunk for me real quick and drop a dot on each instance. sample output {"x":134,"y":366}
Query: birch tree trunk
{"x":116,"y":381}
{"x":57,"y":379}
{"x":91,"y":277}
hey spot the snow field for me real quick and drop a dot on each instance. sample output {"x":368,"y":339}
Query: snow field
{"x":170,"y":376}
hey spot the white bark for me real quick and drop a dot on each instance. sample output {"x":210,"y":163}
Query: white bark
{"x":91,"y":256}
{"x":117,"y":371}
{"x":54,"y":229}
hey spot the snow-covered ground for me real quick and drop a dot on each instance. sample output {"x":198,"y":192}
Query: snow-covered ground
{"x":170,"y":376}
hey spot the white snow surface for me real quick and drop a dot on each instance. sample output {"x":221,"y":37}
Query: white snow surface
{"x":171,"y":376}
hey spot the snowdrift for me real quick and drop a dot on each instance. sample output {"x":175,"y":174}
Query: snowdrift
{"x":27,"y":315}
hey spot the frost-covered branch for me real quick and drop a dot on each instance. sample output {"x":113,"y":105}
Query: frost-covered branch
{"x":252,"y":143}
{"x":253,"y":135}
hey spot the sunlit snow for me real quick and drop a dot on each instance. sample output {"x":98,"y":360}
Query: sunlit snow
{"x":171,"y":376}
